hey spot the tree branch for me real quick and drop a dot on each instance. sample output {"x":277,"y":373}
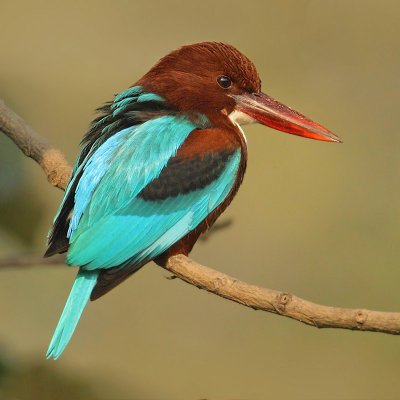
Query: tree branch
{"x":52,"y":161}
{"x":58,"y":171}
{"x":31,"y":260}
{"x":282,"y":303}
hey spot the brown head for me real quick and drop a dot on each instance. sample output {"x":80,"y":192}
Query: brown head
{"x":216,"y":79}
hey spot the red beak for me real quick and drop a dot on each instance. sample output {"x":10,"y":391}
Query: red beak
{"x":270,"y":112}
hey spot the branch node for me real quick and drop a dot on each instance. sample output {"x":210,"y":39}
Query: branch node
{"x":361,"y":317}
{"x":219,"y":283}
{"x":283,"y":299}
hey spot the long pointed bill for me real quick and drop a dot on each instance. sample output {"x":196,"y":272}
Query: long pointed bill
{"x":270,"y":112}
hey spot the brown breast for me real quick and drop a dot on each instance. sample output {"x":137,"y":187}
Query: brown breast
{"x":209,"y":141}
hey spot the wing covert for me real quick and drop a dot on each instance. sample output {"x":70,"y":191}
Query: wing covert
{"x":143,"y":228}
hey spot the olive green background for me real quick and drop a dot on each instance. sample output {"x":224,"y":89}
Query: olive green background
{"x":320,"y":220}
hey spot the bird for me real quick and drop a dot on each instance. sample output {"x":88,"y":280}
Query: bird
{"x":158,"y":166}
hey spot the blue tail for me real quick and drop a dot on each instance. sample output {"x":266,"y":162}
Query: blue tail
{"x":77,"y":300}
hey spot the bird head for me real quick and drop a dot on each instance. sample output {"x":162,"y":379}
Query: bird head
{"x":217,"y":80}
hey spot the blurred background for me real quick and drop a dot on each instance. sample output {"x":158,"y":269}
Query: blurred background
{"x":317,"y":219}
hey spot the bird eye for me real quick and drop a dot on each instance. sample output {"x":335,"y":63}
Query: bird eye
{"x":224,"y":81}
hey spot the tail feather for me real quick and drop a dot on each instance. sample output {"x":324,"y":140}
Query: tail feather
{"x":77,"y":300}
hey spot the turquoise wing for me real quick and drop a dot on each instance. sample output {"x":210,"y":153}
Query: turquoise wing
{"x":142,"y":229}
{"x":130,"y":109}
{"x":111,"y":224}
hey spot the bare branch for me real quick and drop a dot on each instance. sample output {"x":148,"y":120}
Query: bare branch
{"x":52,"y":161}
{"x":30,"y":260}
{"x":57,"y":170}
{"x":282,"y":303}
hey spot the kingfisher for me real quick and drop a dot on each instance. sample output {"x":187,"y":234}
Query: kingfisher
{"x":158,"y":166}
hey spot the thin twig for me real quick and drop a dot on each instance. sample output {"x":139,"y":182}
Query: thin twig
{"x":30,"y":260}
{"x":255,"y":297}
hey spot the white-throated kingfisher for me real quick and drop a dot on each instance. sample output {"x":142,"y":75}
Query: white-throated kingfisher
{"x":158,"y":166}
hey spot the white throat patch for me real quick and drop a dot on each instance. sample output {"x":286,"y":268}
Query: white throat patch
{"x":239,"y":118}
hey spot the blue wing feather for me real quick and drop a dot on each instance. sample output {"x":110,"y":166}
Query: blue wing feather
{"x":138,"y":230}
{"x":122,"y":166}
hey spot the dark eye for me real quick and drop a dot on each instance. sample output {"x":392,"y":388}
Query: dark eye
{"x":224,"y":81}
